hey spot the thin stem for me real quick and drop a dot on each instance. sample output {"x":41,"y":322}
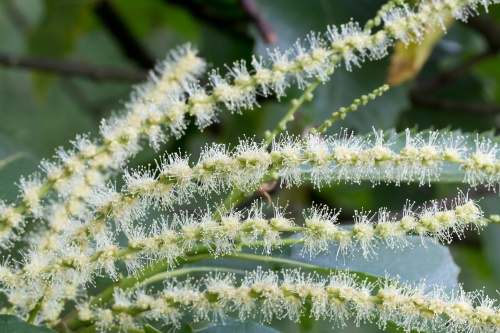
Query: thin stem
{"x":251,"y":9}
{"x":142,"y":127}
{"x":342,"y":112}
{"x":34,"y":311}
{"x":160,"y":266}
{"x":289,"y":116}
{"x":236,"y":196}
{"x":185,"y":271}
{"x":71,"y":68}
{"x":298,"y":264}
{"x":105,"y":296}
{"x":274,"y":260}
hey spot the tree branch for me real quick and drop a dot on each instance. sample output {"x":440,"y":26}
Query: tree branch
{"x":419,"y":94}
{"x":72,"y":68}
{"x":424,"y":100}
{"x":490,"y":30}
{"x":246,"y":11}
{"x":264,"y":28}
{"x":450,"y":76}
{"x":130,"y":46}
{"x":208,"y":13}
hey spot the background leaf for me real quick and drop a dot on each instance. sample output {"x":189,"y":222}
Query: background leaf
{"x":14,"y":324}
{"x":432,"y":262}
{"x":57,"y":34}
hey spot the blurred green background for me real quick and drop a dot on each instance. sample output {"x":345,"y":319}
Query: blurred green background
{"x":450,"y":81}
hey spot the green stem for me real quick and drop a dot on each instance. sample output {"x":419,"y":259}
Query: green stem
{"x":300,"y":265}
{"x":342,"y":112}
{"x":160,"y":266}
{"x":296,"y":103}
{"x":34,"y":311}
{"x":231,"y":200}
{"x":274,"y":260}
{"x":106,"y":295}
{"x":185,"y":271}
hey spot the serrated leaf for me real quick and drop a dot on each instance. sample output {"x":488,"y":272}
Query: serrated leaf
{"x":432,"y":262}
{"x":491,"y":236}
{"x":14,"y":324}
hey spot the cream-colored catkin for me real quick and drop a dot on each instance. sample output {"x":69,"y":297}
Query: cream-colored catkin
{"x":74,"y":263}
{"x":75,"y":172}
{"x":339,"y":298}
{"x":75,"y":250}
{"x":349,"y":42}
{"x":319,"y":160}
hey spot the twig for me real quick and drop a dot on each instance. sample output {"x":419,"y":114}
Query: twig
{"x":419,"y":94}
{"x":72,"y":68}
{"x":122,"y":34}
{"x":204,"y":11}
{"x":422,"y":99}
{"x":15,"y":16}
{"x":264,"y":28}
{"x":488,"y":28}
{"x":449,"y":77}
{"x":307,"y":95}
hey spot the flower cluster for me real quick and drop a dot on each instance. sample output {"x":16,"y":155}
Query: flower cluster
{"x":315,"y":57}
{"x":320,"y":159}
{"x":76,"y":264}
{"x":432,"y":219}
{"x":75,"y":172}
{"x":93,"y":229}
{"x":266,"y":295}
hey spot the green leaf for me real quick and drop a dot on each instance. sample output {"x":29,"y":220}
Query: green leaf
{"x":291,"y":22}
{"x":60,"y":27}
{"x":57,"y":34}
{"x":14,"y":324}
{"x":491,"y":236}
{"x":432,"y":262}
{"x":35,"y":126}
